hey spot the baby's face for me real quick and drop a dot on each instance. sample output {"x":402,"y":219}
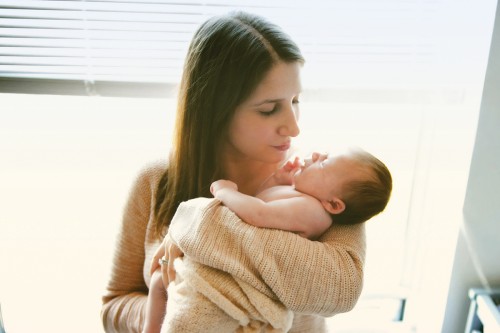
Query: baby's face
{"x":322,"y":176}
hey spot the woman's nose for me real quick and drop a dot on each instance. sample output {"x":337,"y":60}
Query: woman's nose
{"x":290,"y":126}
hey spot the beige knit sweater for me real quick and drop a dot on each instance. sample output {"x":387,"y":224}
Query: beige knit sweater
{"x":312,"y":279}
{"x":236,"y":297}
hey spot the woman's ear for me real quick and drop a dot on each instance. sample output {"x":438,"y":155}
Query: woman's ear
{"x":334,"y":206}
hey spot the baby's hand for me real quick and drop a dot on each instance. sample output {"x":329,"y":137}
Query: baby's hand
{"x":221,"y":184}
{"x":292,"y":166}
{"x":284,"y":175}
{"x":315,"y":156}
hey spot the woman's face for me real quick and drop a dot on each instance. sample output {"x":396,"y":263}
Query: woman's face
{"x":264,"y":124}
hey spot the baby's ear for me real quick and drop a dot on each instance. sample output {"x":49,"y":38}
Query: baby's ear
{"x":334,"y":206}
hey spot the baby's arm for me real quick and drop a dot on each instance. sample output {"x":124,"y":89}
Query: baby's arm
{"x":293,"y":211}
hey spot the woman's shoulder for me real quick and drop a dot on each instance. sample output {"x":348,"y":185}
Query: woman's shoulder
{"x":150,"y":174}
{"x":154,"y":168}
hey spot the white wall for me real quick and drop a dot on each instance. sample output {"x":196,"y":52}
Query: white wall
{"x":442,"y":264}
{"x":478,"y":249}
{"x":66,"y":166}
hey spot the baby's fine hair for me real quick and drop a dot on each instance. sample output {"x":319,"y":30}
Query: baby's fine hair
{"x":366,"y":197}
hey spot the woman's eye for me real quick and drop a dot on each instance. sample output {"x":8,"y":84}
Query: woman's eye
{"x":269,"y":112}
{"x":295,"y":101}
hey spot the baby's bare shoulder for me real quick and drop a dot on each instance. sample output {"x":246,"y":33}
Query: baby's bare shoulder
{"x":282,"y":192}
{"x":279,"y":192}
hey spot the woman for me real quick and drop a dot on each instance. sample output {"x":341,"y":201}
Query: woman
{"x":237,"y":113}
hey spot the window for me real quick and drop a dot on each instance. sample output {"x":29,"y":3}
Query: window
{"x":137,"y":47}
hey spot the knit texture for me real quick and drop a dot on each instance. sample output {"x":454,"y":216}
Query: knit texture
{"x":212,"y":297}
{"x":323,"y":277}
{"x":312,"y":279}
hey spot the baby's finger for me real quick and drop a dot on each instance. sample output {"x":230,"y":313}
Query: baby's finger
{"x":289,"y":166}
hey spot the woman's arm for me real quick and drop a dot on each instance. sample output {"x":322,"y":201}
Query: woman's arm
{"x":124,"y":303}
{"x":156,"y":305}
{"x":323,"y":278}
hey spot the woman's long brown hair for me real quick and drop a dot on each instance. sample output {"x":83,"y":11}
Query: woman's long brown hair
{"x":227,"y":58}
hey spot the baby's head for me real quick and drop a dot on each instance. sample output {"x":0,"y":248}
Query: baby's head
{"x":353,"y":187}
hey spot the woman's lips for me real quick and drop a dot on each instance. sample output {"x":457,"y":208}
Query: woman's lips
{"x":283,"y":147}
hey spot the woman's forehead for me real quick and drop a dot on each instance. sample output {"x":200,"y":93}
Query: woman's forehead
{"x":281,"y":83}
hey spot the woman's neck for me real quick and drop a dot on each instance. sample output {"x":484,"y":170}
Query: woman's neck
{"x":249,"y":176}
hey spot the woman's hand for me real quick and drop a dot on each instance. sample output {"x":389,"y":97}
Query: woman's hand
{"x":169,"y":252}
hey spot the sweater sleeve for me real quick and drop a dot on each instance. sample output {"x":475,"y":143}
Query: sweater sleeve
{"x":322,"y":277}
{"x":124,"y":302}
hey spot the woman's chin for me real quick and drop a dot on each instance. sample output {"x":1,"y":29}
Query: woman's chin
{"x":281,"y":156}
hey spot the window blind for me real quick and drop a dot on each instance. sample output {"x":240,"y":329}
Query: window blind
{"x":137,"y":47}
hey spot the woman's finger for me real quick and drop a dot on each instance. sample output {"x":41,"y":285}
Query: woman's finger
{"x":166,"y":264}
{"x":170,"y":271}
{"x":164,"y":274}
{"x":173,"y":253}
{"x":160,"y":252}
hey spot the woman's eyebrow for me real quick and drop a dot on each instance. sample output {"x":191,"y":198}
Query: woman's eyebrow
{"x":266,"y":101}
